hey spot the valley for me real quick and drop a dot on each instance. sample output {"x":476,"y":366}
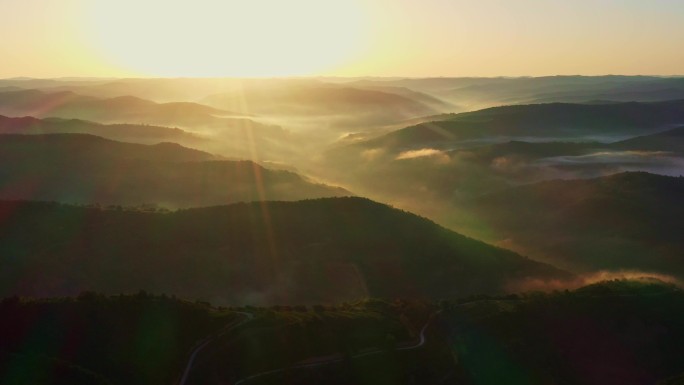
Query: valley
{"x":347,"y":231}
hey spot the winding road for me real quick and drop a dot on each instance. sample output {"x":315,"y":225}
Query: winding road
{"x":203,"y":343}
{"x":339,"y":358}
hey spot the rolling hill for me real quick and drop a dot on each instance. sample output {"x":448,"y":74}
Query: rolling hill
{"x":427,"y":99}
{"x":500,"y":145}
{"x":623,"y":221}
{"x":539,"y":121}
{"x":281,"y":97}
{"x":440,"y":179}
{"x":161,"y":90}
{"x":315,"y":251}
{"x":145,"y":134}
{"x":122,"y":109}
{"x":87,"y":169}
{"x":144,"y":121}
{"x":351,"y":106}
{"x":471,"y":93}
{"x":670,"y":140}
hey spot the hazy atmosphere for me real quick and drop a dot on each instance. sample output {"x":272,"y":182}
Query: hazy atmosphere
{"x":341,"y":192}
{"x":56,"y":38}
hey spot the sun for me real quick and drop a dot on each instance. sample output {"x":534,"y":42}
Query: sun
{"x":215,"y":38}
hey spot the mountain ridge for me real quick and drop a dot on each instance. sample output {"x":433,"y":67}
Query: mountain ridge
{"x":83,"y":168}
{"x":311,"y":251}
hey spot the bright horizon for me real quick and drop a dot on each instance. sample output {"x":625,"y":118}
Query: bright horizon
{"x":345,"y":38}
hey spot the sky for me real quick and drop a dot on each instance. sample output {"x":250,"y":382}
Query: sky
{"x":273,"y":38}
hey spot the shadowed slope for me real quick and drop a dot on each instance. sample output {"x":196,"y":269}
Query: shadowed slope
{"x":126,"y":132}
{"x":322,"y":250}
{"x":670,"y":140}
{"x":616,"y":332}
{"x":623,"y":221}
{"x":87,"y":169}
{"x":538,"y":120}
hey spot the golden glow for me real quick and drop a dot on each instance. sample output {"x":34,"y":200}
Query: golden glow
{"x":227,"y":37}
{"x":257,"y":38}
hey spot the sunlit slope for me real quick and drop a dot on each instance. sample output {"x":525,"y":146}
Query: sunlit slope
{"x":87,"y":169}
{"x":302,"y":252}
{"x":624,"y":221}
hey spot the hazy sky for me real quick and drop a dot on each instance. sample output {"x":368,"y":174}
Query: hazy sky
{"x":50,"y":38}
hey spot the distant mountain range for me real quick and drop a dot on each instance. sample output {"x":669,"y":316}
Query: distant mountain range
{"x":427,"y":99}
{"x":293,"y":102}
{"x":307,"y":96}
{"x":331,"y":106}
{"x":469,"y":93}
{"x":161,"y":90}
{"x":541,"y":121}
{"x":123,"y":109}
{"x":314,"y":251}
{"x":476,"y":93}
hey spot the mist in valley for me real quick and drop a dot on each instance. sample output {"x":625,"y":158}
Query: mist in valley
{"x":352,"y":214}
{"x":341,"y":192}
{"x":407,"y":142}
